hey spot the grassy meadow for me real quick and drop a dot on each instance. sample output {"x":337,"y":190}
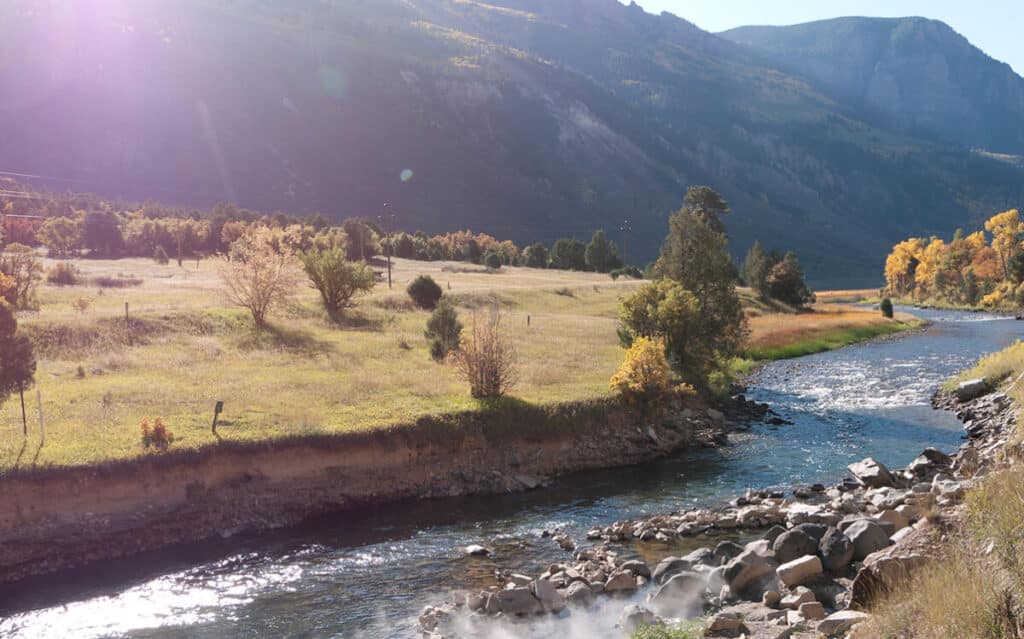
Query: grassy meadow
{"x":188,"y":348}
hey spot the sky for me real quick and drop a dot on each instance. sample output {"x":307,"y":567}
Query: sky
{"x":991,"y":25}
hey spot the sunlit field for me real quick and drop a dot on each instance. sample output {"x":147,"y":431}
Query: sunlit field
{"x":187,"y":349}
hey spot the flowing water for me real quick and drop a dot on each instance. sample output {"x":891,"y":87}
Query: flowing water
{"x":368,"y":574}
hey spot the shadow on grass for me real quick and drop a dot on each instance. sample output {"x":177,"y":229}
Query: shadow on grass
{"x":271,"y":337}
{"x":353,"y":320}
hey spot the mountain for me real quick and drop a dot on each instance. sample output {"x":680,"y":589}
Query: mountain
{"x":913,"y":74}
{"x":528,"y":119}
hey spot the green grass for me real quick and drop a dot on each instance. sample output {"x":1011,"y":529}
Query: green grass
{"x":827,"y":341}
{"x":305,"y":377}
{"x":993,"y":368}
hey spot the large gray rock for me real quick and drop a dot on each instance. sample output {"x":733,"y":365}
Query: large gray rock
{"x":793,"y":544}
{"x":836,"y":550}
{"x":871,"y":473}
{"x":637,"y":567}
{"x":747,"y":569}
{"x":867,"y":537}
{"x":514,"y":601}
{"x":881,"y":577}
{"x":727,"y":550}
{"x":635,"y":616}
{"x":971,"y":389}
{"x":839,"y":623}
{"x":682,"y":596}
{"x":579,"y":594}
{"x":668,"y":568}
{"x":814,"y":531}
{"x":799,"y":571}
{"x":548,"y":596}
{"x":620,"y":581}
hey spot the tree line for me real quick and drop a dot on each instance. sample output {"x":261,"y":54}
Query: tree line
{"x":984,"y":268}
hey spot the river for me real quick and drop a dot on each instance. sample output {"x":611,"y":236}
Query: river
{"x":369,"y":573}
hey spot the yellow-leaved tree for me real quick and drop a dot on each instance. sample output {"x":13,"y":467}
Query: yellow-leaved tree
{"x":644,"y":373}
{"x":901,"y":265}
{"x":929,"y":265}
{"x":1006,"y":229}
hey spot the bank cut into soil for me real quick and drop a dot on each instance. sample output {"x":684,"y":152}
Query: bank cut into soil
{"x":56,"y":519}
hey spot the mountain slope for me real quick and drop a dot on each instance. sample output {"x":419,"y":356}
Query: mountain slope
{"x":919,"y":75}
{"x":529,"y":119}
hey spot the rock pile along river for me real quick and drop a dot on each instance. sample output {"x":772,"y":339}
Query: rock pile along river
{"x":369,"y":573}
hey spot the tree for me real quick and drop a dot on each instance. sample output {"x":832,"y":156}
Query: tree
{"x":363,"y":239}
{"x":707,"y":204}
{"x":256,"y":276}
{"x":337,"y":278}
{"x":886,"y":307}
{"x":101,"y":234}
{"x":535,"y":256}
{"x":600,"y":254}
{"x":17,"y":360}
{"x":696,"y":256}
{"x":493,"y":260}
{"x":485,"y":359}
{"x":425,"y":292}
{"x":61,"y":235}
{"x":786,"y":282}
{"x":901,"y":266}
{"x":20,"y":263}
{"x":755,"y":270}
{"x":664,"y":311}
{"x":443,"y":330}
{"x":1006,"y":230}
{"x":568,"y":255}
{"x":644,"y":374}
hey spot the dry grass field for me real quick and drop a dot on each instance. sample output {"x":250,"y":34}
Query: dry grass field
{"x":187,"y":349}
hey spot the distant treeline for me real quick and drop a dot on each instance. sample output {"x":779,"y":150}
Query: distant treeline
{"x":969,"y":270}
{"x":85,"y":225}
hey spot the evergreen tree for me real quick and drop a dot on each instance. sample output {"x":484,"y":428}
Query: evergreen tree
{"x":755,"y":270}
{"x":600,"y":254}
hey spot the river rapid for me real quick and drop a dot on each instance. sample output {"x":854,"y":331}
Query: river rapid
{"x":369,"y":573}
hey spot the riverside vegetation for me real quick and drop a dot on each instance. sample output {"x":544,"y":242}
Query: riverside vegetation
{"x":122,"y":340}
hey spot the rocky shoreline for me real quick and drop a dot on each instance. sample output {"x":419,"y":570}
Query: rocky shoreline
{"x":821,"y":555}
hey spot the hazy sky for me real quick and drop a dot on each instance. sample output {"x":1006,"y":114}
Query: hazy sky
{"x":991,"y":25}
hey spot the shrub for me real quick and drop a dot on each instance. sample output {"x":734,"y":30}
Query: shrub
{"x":492,"y":260}
{"x":156,"y":435}
{"x":485,"y":359}
{"x":116,"y":282}
{"x":627,"y":271}
{"x":256,"y":276}
{"x":886,"y":307}
{"x":81,"y":305}
{"x":644,"y":374}
{"x":160,"y":255}
{"x":63,"y":274}
{"x":687,"y":630}
{"x":24,"y":270}
{"x":443,"y":330}
{"x":424,"y":292}
{"x":337,"y":278}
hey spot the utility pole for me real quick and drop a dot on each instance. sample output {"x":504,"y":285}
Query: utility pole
{"x":387,"y":221}
{"x":626,"y":229}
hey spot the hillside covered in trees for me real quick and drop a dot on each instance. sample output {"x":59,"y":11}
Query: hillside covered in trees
{"x":527,"y":119}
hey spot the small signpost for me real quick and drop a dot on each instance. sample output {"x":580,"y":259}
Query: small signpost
{"x":217,"y":410}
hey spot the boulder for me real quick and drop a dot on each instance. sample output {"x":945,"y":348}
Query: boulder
{"x":812,"y":611}
{"x":898,"y":521}
{"x":724,"y":624}
{"x":836,"y":550}
{"x":550,"y":598}
{"x":871,"y":473}
{"x":773,"y":533}
{"x":514,"y":601}
{"x":800,"y":570}
{"x":971,"y":389}
{"x":747,"y":569}
{"x":637,"y":567}
{"x":867,"y":537}
{"x":635,"y":616}
{"x":620,"y":581}
{"x":476,"y":550}
{"x":793,"y":544}
{"x":669,"y":567}
{"x":701,"y":556}
{"x":681,"y":596}
{"x":579,"y":594}
{"x":797,"y":598}
{"x":838,"y":623}
{"x":771,"y":599}
{"x":727,"y":550}
{"x":878,"y":578}
{"x":814,"y":531}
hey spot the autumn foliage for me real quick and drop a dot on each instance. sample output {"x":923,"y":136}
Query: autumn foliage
{"x":156,"y":435}
{"x":984,"y":268}
{"x":644,"y":374}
